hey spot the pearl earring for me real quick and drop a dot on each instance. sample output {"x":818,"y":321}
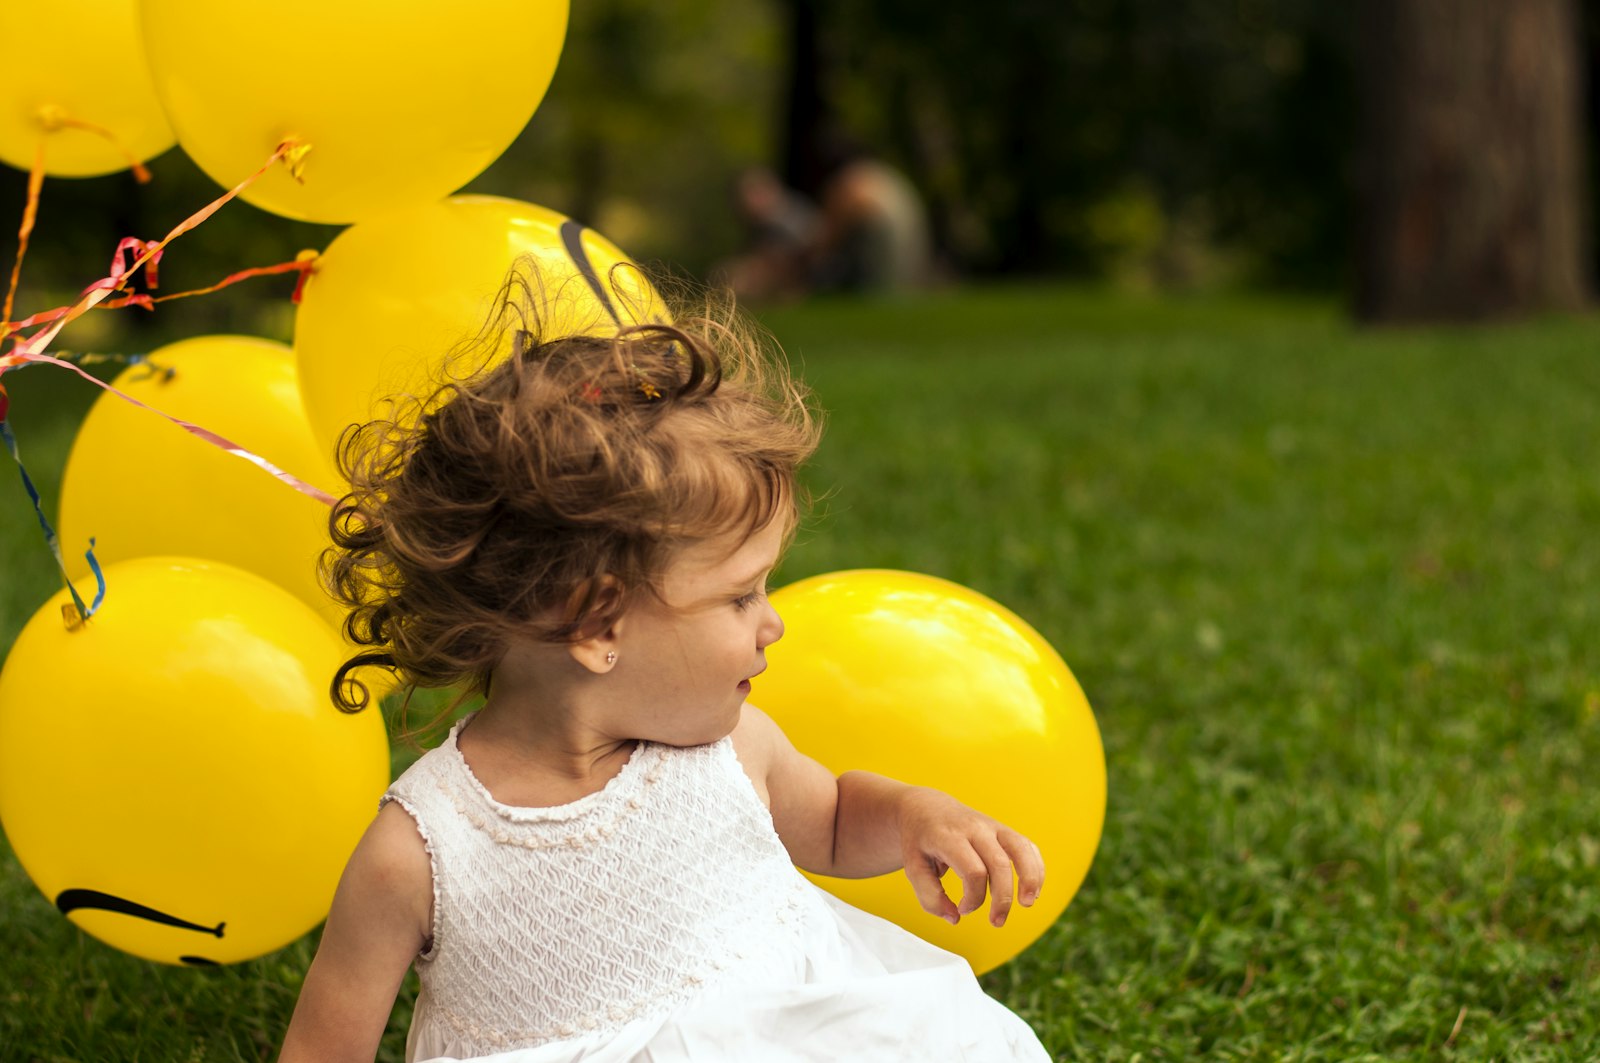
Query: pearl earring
{"x":611,"y":656}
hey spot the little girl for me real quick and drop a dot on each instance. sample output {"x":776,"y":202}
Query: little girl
{"x":599,"y":864}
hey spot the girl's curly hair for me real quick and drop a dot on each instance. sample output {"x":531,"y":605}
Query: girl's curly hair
{"x":504,"y":505}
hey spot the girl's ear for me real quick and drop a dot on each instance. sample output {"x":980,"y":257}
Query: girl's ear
{"x":600,"y":603}
{"x":596,"y":654}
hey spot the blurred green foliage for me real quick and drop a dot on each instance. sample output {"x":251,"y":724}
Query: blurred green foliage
{"x":1168,"y":143}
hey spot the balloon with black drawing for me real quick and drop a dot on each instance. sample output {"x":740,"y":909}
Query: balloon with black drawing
{"x":173,"y":774}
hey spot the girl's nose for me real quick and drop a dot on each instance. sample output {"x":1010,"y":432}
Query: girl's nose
{"x":771,"y":629}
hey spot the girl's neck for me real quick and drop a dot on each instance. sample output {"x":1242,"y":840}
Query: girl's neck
{"x":537,"y":756}
{"x":543,"y":705}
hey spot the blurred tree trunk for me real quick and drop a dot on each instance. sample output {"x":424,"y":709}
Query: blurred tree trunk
{"x":806,"y":110}
{"x":1472,"y":179}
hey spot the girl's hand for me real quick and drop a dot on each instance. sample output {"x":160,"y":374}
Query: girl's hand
{"x":939,"y":833}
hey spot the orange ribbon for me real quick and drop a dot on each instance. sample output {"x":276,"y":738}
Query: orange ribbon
{"x":30,"y":214}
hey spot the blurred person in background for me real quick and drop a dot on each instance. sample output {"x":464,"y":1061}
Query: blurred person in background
{"x":781,"y":228}
{"x":873,"y":235}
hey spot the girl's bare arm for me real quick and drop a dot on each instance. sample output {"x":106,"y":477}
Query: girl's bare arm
{"x":861,"y":824}
{"x":379,"y":922}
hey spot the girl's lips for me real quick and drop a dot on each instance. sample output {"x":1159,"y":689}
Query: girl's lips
{"x":744,"y":686}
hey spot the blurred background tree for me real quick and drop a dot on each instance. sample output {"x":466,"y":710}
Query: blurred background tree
{"x":1472,"y":160}
{"x":1163,"y":143}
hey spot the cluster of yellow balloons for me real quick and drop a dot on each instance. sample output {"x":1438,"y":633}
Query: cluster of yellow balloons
{"x":172,"y":773}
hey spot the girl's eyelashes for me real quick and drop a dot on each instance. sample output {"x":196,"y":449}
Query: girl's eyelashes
{"x":745,"y":601}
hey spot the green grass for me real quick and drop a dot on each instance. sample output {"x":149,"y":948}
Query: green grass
{"x":1333,"y":595}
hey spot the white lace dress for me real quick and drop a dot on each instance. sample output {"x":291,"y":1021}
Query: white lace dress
{"x":660,"y":919}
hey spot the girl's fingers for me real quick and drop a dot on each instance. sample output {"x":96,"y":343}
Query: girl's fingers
{"x":924,"y":876}
{"x":1029,"y":862}
{"x":997,"y":868}
{"x":992,"y":861}
{"x":974,"y":873}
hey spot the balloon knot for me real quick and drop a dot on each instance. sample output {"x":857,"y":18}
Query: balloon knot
{"x":52,"y":118}
{"x":307,"y":261}
{"x":294,"y":157}
{"x":71,"y":616}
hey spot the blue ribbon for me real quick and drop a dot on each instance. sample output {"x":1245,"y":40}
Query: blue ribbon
{"x":50,"y":537}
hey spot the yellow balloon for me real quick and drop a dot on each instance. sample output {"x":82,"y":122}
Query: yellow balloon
{"x":934,"y":684}
{"x":84,"y":62}
{"x":400,"y":103}
{"x":140,"y":485}
{"x":173,"y":775}
{"x":392,"y":297}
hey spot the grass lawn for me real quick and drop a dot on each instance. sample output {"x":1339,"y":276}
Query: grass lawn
{"x":1327,"y":590}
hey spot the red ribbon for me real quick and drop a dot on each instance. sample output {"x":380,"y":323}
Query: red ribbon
{"x":130,"y":255}
{"x":102,"y":289}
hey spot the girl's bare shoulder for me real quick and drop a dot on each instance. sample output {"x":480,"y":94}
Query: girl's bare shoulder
{"x":391,"y":865}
